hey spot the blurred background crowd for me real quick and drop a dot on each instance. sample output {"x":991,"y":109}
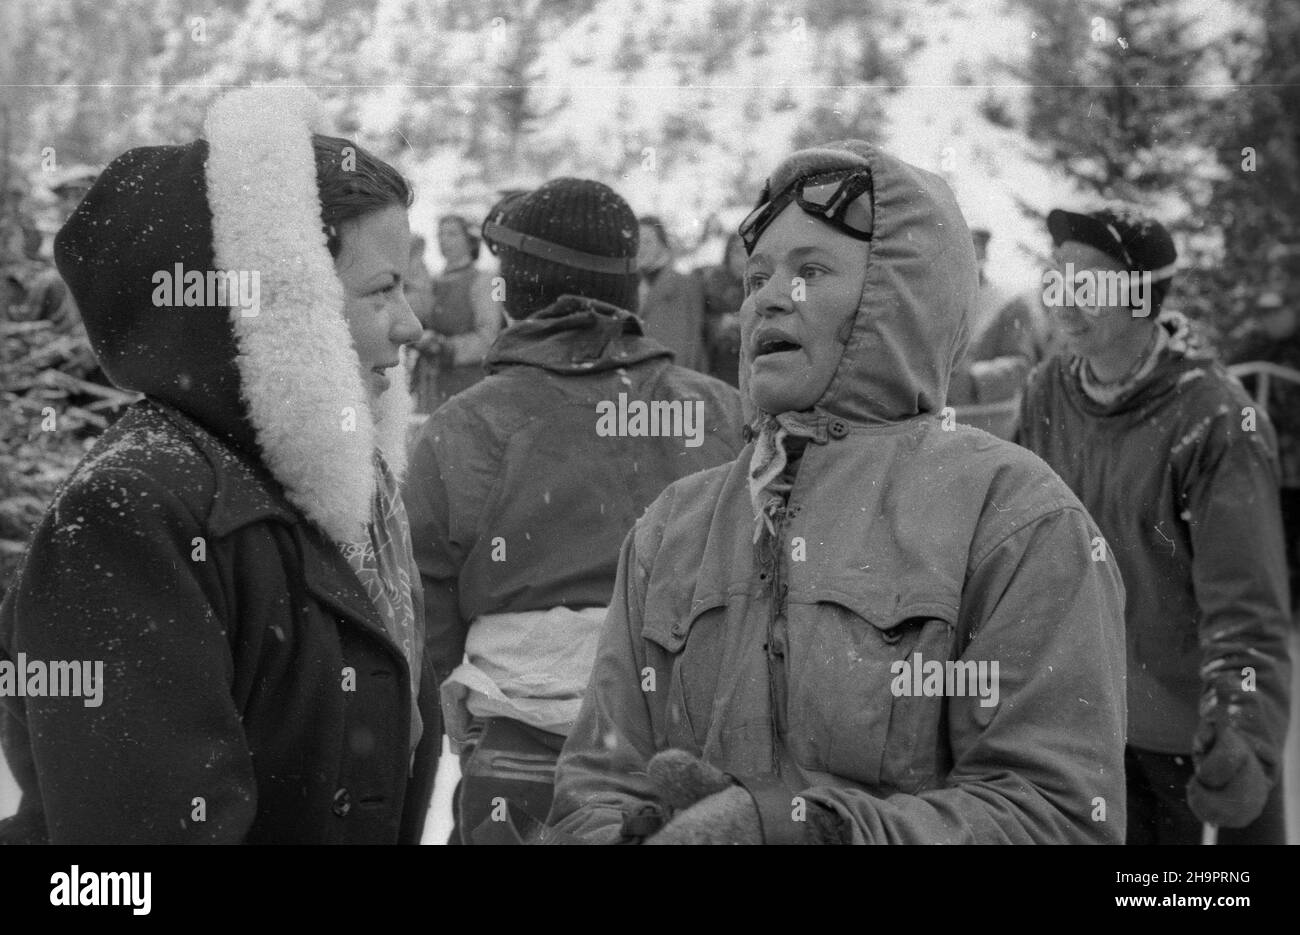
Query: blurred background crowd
{"x":1187,"y":108}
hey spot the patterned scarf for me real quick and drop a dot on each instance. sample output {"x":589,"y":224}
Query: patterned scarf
{"x":769,"y":481}
{"x":382,"y":564}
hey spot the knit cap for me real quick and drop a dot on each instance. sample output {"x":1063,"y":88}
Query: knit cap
{"x":568,"y":237}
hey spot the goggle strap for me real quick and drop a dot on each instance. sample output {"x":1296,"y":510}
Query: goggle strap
{"x":566,"y":256}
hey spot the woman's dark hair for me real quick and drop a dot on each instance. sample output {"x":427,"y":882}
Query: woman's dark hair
{"x":465,"y":229}
{"x":353,"y":182}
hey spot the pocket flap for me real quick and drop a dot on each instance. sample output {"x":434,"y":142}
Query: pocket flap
{"x":670,"y":630}
{"x":886,"y":608}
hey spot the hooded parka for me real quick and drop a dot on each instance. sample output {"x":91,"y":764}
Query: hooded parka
{"x":517,"y":503}
{"x":906,"y":540}
{"x":250,"y":691}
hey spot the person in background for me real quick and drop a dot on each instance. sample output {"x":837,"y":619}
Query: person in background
{"x":724,"y":290}
{"x":45,"y":296}
{"x":758,"y":679}
{"x":419,"y":283}
{"x":519,"y":499}
{"x":1180,"y":471}
{"x":1007,"y":339}
{"x":461,"y":321}
{"x":672,"y":303}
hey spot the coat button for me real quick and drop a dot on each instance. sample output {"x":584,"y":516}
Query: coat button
{"x":342,"y":803}
{"x":838,"y":428}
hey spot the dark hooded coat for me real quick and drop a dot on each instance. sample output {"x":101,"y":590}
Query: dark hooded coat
{"x":251,"y":693}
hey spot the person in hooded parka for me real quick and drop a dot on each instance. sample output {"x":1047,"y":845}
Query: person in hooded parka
{"x":876,"y":625}
{"x":231,"y":562}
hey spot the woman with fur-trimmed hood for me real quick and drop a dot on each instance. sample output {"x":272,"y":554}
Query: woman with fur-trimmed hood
{"x":231,"y":561}
{"x":875,"y":625}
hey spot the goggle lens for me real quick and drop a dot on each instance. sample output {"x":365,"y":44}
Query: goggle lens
{"x":836,"y":199}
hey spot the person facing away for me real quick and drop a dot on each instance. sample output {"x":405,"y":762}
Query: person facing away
{"x":460,"y":320}
{"x":672,"y":303}
{"x":724,"y":290}
{"x":522,"y":488}
{"x":232,"y":555}
{"x":872,"y":626}
{"x":1180,"y":470}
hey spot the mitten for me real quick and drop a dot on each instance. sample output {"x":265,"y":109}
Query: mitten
{"x":711,"y":808}
{"x":683,"y":779}
{"x":727,"y":817}
{"x":1230,"y":786}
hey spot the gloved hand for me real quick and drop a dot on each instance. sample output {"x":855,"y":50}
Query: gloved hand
{"x":727,"y":817}
{"x":707,"y":807}
{"x":683,"y":779}
{"x":710,"y":808}
{"x":1230,"y":787}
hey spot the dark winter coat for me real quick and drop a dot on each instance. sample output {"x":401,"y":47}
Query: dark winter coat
{"x":1181,"y":476}
{"x":515,"y":463}
{"x":252,"y":692}
{"x":227,"y":625}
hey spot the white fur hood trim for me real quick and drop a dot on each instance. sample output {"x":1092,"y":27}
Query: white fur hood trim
{"x":299,"y":373}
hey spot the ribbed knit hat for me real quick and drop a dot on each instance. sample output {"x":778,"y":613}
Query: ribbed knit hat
{"x":574,"y":215}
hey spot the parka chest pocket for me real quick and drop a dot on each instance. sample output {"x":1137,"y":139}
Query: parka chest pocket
{"x":685,"y":652}
{"x":854,"y":695}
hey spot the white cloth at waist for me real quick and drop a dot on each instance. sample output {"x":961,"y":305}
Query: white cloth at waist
{"x":531,"y":666}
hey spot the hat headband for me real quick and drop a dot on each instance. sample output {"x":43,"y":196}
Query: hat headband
{"x":565,"y":256}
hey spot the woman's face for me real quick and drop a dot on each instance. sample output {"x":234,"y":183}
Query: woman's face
{"x":803,"y":283}
{"x":452,"y":243}
{"x":374,"y":252}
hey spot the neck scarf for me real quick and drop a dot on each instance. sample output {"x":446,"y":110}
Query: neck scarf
{"x":1174,"y":335}
{"x":381,"y":564}
{"x":778,"y":448}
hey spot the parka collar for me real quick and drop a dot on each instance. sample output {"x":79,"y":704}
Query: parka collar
{"x":245,"y":493}
{"x":575,"y":335}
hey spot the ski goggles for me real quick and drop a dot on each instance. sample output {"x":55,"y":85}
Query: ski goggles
{"x":834,"y":197}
